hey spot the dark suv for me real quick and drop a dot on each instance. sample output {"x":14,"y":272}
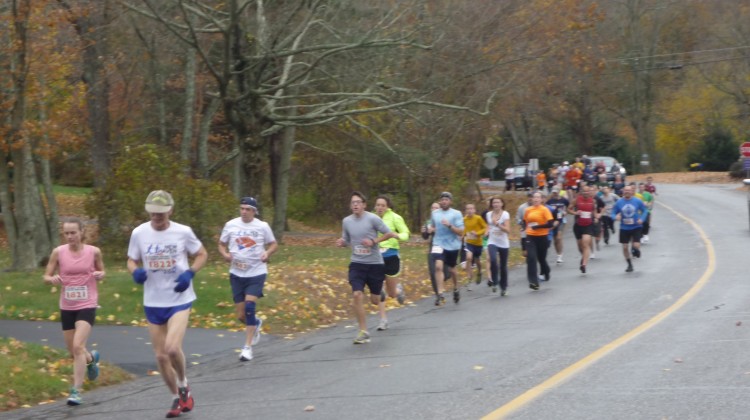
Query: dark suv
{"x":522,"y":178}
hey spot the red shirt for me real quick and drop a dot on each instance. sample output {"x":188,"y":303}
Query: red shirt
{"x":586,"y":206}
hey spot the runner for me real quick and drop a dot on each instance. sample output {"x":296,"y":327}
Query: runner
{"x":498,"y":221}
{"x":519,"y":220}
{"x":561,"y":204}
{"x":360,"y":231}
{"x":538,"y":220}
{"x":587,"y":211}
{"x":648,"y":199}
{"x":247,"y":243}
{"x":79,"y":267}
{"x":475,"y":228}
{"x":391,"y":259}
{"x":572,"y":180}
{"x":158,"y":259}
{"x":448,"y":225}
{"x":631,"y":212}
{"x":427,"y":234}
{"x":541,"y":180}
{"x":618,"y":185}
{"x":509,"y":176}
{"x":609,"y":199}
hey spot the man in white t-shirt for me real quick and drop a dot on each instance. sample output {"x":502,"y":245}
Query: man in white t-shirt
{"x":158,"y":259}
{"x":247,"y":243}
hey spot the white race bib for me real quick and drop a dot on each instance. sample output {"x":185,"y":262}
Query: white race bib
{"x":159,"y":262}
{"x":628,"y":221}
{"x":532,"y":224}
{"x":362,"y":250}
{"x":241,"y":265}
{"x":585,"y":215}
{"x":76,"y":292}
{"x":437,"y":249}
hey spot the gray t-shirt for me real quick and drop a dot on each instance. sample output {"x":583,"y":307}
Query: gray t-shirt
{"x":356,"y":229}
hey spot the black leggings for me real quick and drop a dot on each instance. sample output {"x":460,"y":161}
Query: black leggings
{"x":536,"y":251}
{"x":493,"y":252}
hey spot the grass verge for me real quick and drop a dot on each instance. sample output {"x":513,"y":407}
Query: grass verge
{"x":36,"y":374}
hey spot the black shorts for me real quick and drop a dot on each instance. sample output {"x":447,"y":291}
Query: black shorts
{"x":579,"y":230}
{"x":69,"y":318}
{"x":371,"y":275}
{"x":631,"y":234}
{"x":449,"y":258}
{"x":392,"y":265}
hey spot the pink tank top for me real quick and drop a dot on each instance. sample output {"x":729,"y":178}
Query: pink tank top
{"x":78,"y":289}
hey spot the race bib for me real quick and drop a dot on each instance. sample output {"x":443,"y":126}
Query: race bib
{"x":437,"y":249}
{"x":628,"y":220}
{"x":76,"y":292}
{"x":241,"y":265}
{"x":585,"y":215}
{"x":159,"y":262}
{"x":532,"y":224}
{"x":362,"y":250}
{"x":471,"y":235}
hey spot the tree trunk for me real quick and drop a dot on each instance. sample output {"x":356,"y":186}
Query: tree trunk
{"x":203,"y":133}
{"x":282,"y":148}
{"x":187,"y":130}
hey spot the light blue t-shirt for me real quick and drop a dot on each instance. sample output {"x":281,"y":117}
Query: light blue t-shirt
{"x":444,"y":237}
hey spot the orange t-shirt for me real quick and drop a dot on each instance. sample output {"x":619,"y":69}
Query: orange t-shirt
{"x":572,"y":177}
{"x":541,"y":180}
{"x":537,"y":215}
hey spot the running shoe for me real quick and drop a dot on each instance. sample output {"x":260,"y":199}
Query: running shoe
{"x":456,"y":296}
{"x":383,"y":325}
{"x":75,"y":397}
{"x":630,"y":268}
{"x":478,"y":280}
{"x":382,"y":295}
{"x":503,"y":292}
{"x":583,"y":269}
{"x":606,"y":241}
{"x":533,"y":286}
{"x":362,"y":338}
{"x":439,"y":300}
{"x":246,"y":354}
{"x":489,"y":282}
{"x":256,"y":334}
{"x":468,"y":286}
{"x":92,"y":369}
{"x":593,"y":256}
{"x":541,"y":278}
{"x":186,"y":398}
{"x":546,"y":277}
{"x":636,"y":252}
{"x":644,"y":239}
{"x":494,"y":289}
{"x":176,"y":410}
{"x":559,"y":259}
{"x":400,"y":295}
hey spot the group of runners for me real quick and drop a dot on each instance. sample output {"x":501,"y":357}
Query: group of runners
{"x":164,"y":256}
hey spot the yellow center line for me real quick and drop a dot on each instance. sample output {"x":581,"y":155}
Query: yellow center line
{"x":594,"y":357}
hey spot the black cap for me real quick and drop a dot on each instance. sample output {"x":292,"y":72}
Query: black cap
{"x":250,"y":201}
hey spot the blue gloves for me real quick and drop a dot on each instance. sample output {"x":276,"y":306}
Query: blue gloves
{"x":140,"y":275}
{"x":183,"y":281}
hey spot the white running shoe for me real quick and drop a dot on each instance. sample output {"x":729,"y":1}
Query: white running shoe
{"x":247,"y":354}
{"x":644,"y":239}
{"x":383,"y":325}
{"x":559,"y":259}
{"x":593,"y":256}
{"x":258,"y":330}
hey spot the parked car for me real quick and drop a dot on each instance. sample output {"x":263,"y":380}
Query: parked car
{"x":522,"y":178}
{"x":611,"y":166}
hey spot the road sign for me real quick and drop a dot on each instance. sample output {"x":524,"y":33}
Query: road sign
{"x":746,"y":164}
{"x":745,"y":149}
{"x":490,"y":163}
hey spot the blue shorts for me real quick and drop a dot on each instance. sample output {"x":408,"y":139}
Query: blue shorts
{"x":160,"y":316}
{"x":243,"y":286}
{"x":372,"y":275}
{"x":476,"y":250}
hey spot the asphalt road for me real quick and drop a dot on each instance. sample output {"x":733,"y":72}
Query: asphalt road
{"x":665,"y":342}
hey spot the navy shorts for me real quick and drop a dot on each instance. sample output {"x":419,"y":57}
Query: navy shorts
{"x":476,"y":250}
{"x":160,"y":316}
{"x":371,"y":275}
{"x":243,"y":286}
{"x":69,"y":318}
{"x":627,"y":235}
{"x":392,"y":265}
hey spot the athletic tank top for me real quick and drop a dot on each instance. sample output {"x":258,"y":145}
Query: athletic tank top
{"x":78,"y":289}
{"x":586,"y":206}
